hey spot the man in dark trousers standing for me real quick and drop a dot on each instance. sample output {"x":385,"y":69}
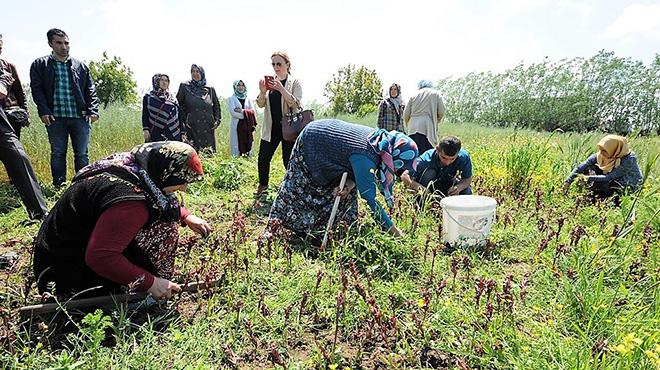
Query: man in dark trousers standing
{"x":16,"y":161}
{"x":14,"y":103}
{"x":65,"y":95}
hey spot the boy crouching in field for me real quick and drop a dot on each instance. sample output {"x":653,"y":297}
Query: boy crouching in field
{"x":445,"y":170}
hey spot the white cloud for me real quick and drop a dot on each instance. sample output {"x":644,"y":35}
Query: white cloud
{"x":636,"y":20}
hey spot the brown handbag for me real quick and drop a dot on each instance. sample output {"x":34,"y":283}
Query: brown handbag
{"x":294,"y":123}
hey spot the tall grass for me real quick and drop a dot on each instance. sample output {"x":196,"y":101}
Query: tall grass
{"x":603,"y":92}
{"x":521,"y":161}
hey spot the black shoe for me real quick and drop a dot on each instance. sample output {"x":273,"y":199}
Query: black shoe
{"x":7,"y":260}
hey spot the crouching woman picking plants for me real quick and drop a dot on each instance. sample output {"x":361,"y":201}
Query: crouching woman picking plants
{"x":117,"y":224}
{"x":611,"y":170}
{"x":322,"y":153}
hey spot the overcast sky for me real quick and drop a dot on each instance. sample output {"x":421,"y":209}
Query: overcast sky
{"x":404,"y":41}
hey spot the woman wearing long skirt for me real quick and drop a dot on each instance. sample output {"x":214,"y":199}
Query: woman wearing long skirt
{"x":323,"y":152}
{"x":200,"y":109}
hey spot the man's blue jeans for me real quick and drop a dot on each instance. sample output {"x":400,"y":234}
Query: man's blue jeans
{"x":58,"y":136}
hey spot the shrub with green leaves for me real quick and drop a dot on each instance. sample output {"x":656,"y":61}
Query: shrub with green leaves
{"x":603,"y":92}
{"x":227,"y":175}
{"x":354,"y":90}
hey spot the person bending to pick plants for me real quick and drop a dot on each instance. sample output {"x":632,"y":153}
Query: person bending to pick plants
{"x":325,"y":150}
{"x":117,"y":224}
{"x":447,"y":169}
{"x":609,"y":171}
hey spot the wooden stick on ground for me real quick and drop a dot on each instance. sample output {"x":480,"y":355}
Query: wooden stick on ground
{"x":39,"y":309}
{"x":335,"y":207}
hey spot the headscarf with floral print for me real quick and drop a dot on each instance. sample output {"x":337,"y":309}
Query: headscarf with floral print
{"x":156,"y":165}
{"x":397,"y":152}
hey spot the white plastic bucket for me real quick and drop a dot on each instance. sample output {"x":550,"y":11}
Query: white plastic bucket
{"x":467,"y":219}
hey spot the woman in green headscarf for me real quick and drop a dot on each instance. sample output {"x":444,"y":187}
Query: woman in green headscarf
{"x":238,"y":104}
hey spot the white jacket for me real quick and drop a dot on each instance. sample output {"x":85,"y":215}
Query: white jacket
{"x":233,"y":102}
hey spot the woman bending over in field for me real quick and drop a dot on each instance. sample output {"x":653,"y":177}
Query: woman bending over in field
{"x":323,"y":152}
{"x":117,"y":224}
{"x":611,"y":170}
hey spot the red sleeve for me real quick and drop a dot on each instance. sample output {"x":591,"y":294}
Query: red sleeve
{"x":184,"y":213}
{"x":114,"y":231}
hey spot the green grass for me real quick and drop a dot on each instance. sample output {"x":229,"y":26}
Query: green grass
{"x":586,"y":304}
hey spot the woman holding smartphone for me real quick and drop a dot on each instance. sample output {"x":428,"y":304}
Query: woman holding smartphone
{"x":277,"y":94}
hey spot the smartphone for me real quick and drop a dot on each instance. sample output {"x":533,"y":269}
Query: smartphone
{"x":269,"y":81}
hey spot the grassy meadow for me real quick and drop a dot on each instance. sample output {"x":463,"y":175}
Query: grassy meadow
{"x":563,"y":283}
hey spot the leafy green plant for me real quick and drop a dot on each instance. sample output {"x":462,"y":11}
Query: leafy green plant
{"x":114,"y":81}
{"x":227,"y":176}
{"x":603,"y":92}
{"x":354,"y":90}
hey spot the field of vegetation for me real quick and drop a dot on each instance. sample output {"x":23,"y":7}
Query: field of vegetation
{"x":562,"y":283}
{"x":604,"y":92}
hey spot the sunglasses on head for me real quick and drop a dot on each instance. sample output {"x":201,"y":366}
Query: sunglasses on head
{"x":279,"y":64}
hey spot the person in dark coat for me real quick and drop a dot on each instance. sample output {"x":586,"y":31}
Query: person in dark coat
{"x":117,"y":224}
{"x":18,"y":166}
{"x":199,"y":109}
{"x":65,"y":95}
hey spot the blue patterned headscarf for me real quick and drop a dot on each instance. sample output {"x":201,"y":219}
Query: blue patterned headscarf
{"x":237,"y":93}
{"x":397,"y":152}
{"x":202,"y":81}
{"x":424,"y":83}
{"x":156,"y":91}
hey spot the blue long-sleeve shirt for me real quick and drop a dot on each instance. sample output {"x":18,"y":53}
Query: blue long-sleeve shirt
{"x":363,"y":171}
{"x":627,"y":173}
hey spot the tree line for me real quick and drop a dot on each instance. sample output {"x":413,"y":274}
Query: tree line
{"x":604,"y":92}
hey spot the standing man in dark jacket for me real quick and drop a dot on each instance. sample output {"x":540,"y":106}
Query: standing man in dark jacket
{"x":14,"y":103}
{"x":65,"y":95}
{"x":16,"y":161}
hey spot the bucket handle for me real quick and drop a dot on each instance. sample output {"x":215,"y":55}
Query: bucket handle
{"x":463,"y":226}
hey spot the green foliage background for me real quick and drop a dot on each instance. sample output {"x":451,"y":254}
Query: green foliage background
{"x":354,"y":90}
{"x":604,"y":92}
{"x":114,"y":81}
